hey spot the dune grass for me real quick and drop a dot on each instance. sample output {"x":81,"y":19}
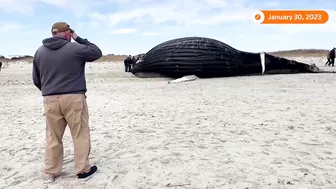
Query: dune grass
{"x":117,"y":58}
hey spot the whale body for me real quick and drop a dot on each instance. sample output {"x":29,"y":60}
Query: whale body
{"x":206,"y":58}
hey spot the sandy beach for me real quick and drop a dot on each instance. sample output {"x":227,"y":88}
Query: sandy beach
{"x":257,"y":132}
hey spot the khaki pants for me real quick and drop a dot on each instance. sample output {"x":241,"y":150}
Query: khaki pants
{"x":60,"y":111}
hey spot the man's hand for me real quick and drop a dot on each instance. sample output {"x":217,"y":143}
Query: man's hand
{"x":74,"y":35}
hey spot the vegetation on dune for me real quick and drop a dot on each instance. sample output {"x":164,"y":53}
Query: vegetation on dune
{"x":116,"y":58}
{"x":301,"y":52}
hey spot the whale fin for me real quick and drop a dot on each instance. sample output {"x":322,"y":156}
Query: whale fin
{"x":184,"y":79}
{"x":262,"y":61}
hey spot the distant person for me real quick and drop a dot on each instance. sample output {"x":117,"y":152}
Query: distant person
{"x":0,"y":65}
{"x":331,"y":58}
{"x":58,"y":71}
{"x":133,"y":61}
{"x":128,"y":63}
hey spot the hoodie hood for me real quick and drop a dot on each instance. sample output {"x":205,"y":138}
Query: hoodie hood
{"x":54,"y":43}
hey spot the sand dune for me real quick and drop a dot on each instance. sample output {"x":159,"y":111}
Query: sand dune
{"x":242,"y":132}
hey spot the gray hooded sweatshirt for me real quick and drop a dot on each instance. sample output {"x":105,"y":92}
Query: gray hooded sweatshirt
{"x":59,"y":65}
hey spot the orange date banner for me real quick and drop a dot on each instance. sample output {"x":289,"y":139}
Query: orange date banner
{"x":291,"y":17}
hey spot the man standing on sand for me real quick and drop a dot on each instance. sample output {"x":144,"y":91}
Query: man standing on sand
{"x":0,"y":65}
{"x":133,"y":61}
{"x":331,"y":57}
{"x":128,"y":63}
{"x":58,"y":71}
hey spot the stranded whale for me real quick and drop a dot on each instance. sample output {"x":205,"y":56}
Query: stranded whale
{"x":206,"y":58}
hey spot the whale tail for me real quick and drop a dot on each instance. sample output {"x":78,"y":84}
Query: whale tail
{"x":280,"y":65}
{"x":314,"y":69}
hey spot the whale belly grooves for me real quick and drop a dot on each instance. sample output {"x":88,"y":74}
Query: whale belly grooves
{"x":206,"y":58}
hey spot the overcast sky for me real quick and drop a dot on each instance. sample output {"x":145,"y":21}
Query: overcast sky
{"x":132,"y":27}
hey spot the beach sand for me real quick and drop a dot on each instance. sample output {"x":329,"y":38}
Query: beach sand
{"x":274,"y":131}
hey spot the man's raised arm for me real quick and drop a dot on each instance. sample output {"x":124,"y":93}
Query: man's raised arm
{"x":87,"y":51}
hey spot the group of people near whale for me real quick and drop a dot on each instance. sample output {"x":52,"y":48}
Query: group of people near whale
{"x":129,"y":62}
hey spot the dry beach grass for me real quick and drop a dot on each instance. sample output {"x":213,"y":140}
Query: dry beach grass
{"x":28,"y":58}
{"x":117,"y":58}
{"x":241,"y":132}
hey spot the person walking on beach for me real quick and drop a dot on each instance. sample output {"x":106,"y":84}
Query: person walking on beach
{"x":331,"y":57}
{"x":0,"y":65}
{"x":58,"y":72}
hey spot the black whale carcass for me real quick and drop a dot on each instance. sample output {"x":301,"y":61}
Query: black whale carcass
{"x":206,"y":58}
